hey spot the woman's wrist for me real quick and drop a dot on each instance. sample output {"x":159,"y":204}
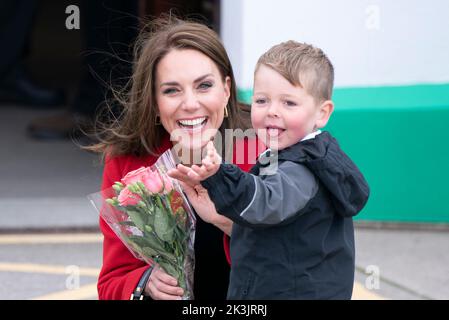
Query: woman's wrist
{"x":138,"y":293}
{"x":222,"y":223}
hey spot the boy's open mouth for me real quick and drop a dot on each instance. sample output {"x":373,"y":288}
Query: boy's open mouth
{"x":274,"y":131}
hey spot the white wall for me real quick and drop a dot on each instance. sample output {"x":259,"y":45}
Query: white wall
{"x":370,"y":42}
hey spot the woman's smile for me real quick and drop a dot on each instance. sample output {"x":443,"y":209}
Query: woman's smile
{"x":193,"y":124}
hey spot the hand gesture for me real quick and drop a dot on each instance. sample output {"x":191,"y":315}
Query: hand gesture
{"x":195,"y":174}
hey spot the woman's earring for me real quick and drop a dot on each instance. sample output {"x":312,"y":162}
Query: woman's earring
{"x":226,"y":112}
{"x":158,"y":121}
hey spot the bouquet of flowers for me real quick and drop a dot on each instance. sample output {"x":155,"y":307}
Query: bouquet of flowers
{"x":151,"y":215}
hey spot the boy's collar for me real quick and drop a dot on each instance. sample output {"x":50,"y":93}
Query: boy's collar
{"x":268,"y":152}
{"x":310,"y":147}
{"x":311,"y":135}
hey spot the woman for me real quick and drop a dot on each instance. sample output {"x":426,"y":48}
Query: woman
{"x":182,"y":85}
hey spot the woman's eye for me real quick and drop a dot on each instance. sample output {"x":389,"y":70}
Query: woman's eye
{"x":205,"y":85}
{"x":170,"y":91}
{"x":260,"y":101}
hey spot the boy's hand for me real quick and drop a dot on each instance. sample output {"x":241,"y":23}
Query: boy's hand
{"x":195,"y":174}
{"x":210,"y":164}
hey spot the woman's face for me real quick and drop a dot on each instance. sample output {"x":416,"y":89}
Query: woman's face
{"x":191,"y":97}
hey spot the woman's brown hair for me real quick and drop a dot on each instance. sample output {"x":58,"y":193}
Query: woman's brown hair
{"x":135,"y":131}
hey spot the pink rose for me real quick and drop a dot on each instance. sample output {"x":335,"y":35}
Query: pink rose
{"x":134,"y":176}
{"x":152,"y":181}
{"x":168,"y":186}
{"x":127,"y":198}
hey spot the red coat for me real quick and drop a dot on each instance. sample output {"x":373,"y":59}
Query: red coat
{"x":121,"y":271}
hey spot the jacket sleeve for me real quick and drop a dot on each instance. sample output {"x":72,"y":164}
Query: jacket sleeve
{"x":261,"y":201}
{"x":121,"y":271}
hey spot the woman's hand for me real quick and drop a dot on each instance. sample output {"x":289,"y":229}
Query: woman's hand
{"x":199,"y":198}
{"x":205,"y":208}
{"x":161,"y":286}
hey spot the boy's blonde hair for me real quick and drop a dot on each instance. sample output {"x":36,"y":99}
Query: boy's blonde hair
{"x":302,"y":65}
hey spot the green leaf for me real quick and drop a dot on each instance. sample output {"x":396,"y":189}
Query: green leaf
{"x":169,"y":268}
{"x":127,"y":223}
{"x":149,"y":252}
{"x":140,"y":241}
{"x":147,"y":242}
{"x":137,"y":218}
{"x":162,"y":225}
{"x":153,"y":243}
{"x":150,"y":219}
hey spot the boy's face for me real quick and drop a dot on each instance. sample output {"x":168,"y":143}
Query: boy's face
{"x":281,"y":113}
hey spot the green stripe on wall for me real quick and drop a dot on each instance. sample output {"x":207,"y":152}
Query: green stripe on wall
{"x":398,"y":97}
{"x":244,"y":95}
{"x":391,"y":97}
{"x":399,"y":138}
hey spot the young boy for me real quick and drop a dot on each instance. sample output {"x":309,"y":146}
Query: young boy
{"x":293,"y":235}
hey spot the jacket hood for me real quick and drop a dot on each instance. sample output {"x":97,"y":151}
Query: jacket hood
{"x":335,"y":170}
